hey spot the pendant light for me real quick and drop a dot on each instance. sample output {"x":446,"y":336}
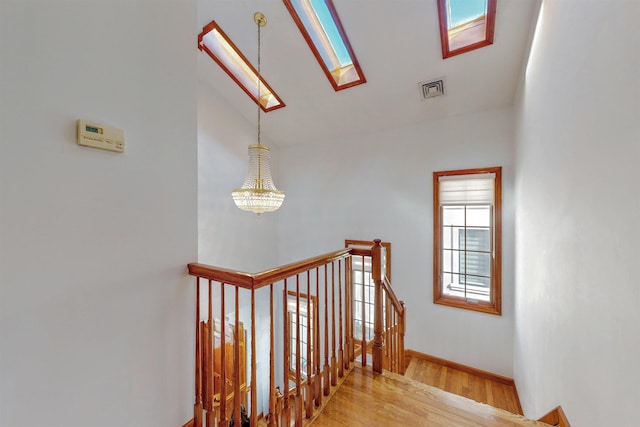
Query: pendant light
{"x":258,"y":194}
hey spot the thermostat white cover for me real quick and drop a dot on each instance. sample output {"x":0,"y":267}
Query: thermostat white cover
{"x":100,"y":136}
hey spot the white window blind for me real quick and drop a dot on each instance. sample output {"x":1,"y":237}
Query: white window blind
{"x":467,"y":189}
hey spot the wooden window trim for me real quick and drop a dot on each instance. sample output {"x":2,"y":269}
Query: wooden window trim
{"x":444,"y":30}
{"x":307,"y":37}
{"x":213,"y":26}
{"x":494,"y":306}
{"x":311,"y":322}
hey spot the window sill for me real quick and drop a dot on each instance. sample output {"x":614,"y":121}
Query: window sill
{"x":480,"y":306}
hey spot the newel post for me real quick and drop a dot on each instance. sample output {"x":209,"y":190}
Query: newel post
{"x":376,"y":275}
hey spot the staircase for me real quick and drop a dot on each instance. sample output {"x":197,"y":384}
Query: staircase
{"x":474,"y":384}
{"x":279,"y":342}
{"x":320,"y":342}
{"x":367,"y":399}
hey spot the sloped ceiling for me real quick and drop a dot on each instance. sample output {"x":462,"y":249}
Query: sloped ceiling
{"x":397,"y":44}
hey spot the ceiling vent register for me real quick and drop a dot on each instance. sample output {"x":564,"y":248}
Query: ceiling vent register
{"x":432,"y":89}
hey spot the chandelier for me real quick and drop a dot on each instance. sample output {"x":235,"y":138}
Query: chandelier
{"x":258,"y":194}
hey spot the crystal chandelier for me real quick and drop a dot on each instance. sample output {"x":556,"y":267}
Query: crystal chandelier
{"x":258,"y":194}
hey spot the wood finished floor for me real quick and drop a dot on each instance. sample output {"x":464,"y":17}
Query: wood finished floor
{"x":476,"y":388}
{"x":371,"y":400}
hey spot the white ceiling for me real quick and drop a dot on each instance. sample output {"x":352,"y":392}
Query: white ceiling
{"x":397,"y":44}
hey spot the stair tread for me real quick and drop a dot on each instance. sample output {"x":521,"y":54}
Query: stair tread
{"x":367,"y":399}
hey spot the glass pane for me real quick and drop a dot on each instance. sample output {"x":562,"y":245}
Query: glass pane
{"x":446,"y":279}
{"x":453,"y":215}
{"x":478,"y":216}
{"x":328,"y":39}
{"x":479,"y":281}
{"x":467,"y":22}
{"x":477,"y":239}
{"x":476,"y":263}
{"x":357,"y":276}
{"x":462,"y":11}
{"x":450,"y":261}
{"x":446,"y":237}
{"x":453,"y":286}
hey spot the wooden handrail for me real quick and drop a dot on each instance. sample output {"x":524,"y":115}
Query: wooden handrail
{"x":267,"y":277}
{"x":397,"y":304}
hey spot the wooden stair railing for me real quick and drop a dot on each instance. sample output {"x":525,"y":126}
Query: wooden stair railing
{"x":389,"y":312}
{"x":299,"y":321}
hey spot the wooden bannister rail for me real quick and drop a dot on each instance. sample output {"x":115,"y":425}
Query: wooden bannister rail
{"x":395,"y":323}
{"x":267,"y":277}
{"x":307,"y":335}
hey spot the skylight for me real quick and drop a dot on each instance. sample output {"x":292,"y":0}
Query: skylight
{"x":320,"y":26}
{"x":465,"y":25}
{"x":221,"y":49}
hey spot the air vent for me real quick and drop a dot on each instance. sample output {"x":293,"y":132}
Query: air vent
{"x":432,"y":88}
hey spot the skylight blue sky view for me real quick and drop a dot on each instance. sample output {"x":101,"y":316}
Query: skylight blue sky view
{"x":330,"y":29}
{"x":461,"y":11}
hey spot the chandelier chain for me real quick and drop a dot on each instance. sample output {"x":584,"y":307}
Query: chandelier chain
{"x":259,"y":81}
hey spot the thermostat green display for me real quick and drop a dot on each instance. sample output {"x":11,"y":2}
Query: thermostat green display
{"x":99,"y":136}
{"x":93,"y":129}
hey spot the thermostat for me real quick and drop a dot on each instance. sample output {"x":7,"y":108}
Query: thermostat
{"x":99,"y":136}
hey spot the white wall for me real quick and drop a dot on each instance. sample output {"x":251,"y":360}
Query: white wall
{"x":229,"y":237}
{"x":380,"y":186}
{"x":577,"y":337}
{"x":96,"y":307}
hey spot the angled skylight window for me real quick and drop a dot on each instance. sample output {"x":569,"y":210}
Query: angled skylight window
{"x":466,"y":25}
{"x":320,"y":26}
{"x":221,"y":49}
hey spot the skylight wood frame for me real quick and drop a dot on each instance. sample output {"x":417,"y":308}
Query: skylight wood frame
{"x":250,"y":72}
{"x":316,"y":52}
{"x":490,"y":22}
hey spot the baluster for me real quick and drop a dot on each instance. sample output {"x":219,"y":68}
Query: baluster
{"x":397,"y":343}
{"x":394,"y":334}
{"x":310,"y":380}
{"x":388,"y":335}
{"x":298,"y":396}
{"x":236,"y":362}
{"x":401,"y":336}
{"x":363,"y":353}
{"x":318,"y":379}
{"x":325,"y":373}
{"x":197,"y":407}
{"x":286,"y":413}
{"x":334,"y":370}
{"x":272,"y":365}
{"x":348,"y":291}
{"x":376,"y":268}
{"x":394,"y":338}
{"x":223,"y":361}
{"x":208,"y":367}
{"x":340,"y":308}
{"x":254,"y":383}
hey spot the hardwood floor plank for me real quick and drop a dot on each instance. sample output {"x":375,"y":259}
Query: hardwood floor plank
{"x":366,"y":399}
{"x":463,"y":383}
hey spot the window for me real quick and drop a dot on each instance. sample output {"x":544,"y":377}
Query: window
{"x":306,"y":316}
{"x":215,"y":43}
{"x":363,"y":298}
{"x":465,"y":25}
{"x":467,"y":239}
{"x":320,"y":26}
{"x":364,"y":288}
